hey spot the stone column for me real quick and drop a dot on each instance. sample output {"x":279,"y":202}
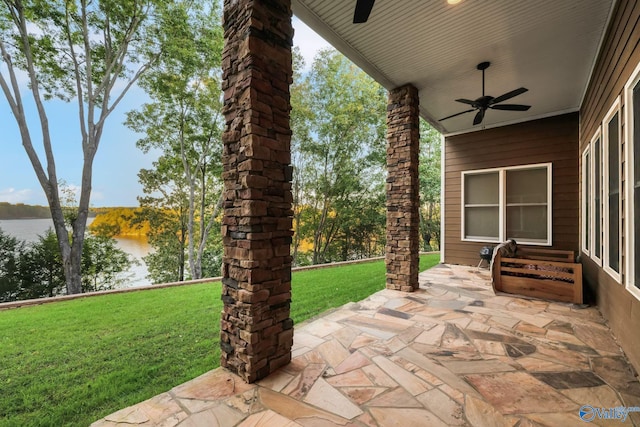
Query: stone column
{"x":256,"y":330}
{"x":403,"y":220}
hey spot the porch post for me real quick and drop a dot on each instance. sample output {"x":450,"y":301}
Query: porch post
{"x":256,"y":330}
{"x":403,"y":221}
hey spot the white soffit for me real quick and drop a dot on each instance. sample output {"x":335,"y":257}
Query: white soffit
{"x":547,"y":46}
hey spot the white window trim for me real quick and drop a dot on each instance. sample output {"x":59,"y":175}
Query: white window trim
{"x":502,"y":176}
{"x":585,"y":221}
{"x":629,"y":177}
{"x":615,"y":108}
{"x":592,"y":225}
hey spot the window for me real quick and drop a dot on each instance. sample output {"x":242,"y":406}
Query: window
{"x":507,"y":203}
{"x":612,"y":252}
{"x":482,"y":204}
{"x":632,"y":107}
{"x":586,"y":200}
{"x":596,"y":198}
{"x":527,"y":216}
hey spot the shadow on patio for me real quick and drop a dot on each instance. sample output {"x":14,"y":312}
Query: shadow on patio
{"x":452,"y":353}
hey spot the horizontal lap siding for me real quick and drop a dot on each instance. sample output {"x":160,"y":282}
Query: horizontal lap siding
{"x":619,"y":55}
{"x":618,"y":58}
{"x":552,"y":140}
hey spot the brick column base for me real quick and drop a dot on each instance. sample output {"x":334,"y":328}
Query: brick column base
{"x":403,"y":220}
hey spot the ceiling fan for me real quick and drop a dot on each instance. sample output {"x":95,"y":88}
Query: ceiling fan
{"x":362,"y":11}
{"x":489,"y":102}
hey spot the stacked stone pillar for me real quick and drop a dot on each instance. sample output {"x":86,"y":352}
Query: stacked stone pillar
{"x":256,"y":330}
{"x":403,"y":220}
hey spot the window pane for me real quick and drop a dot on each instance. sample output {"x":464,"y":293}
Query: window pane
{"x":597,"y":208}
{"x":636,"y":182}
{"x":587,"y":199}
{"x":527,"y":222}
{"x":636,"y":228}
{"x":481,"y":222}
{"x":614,"y":232}
{"x":527,"y":186}
{"x":527,"y":204}
{"x":613,"y":201}
{"x":481,"y":188}
{"x":614,"y":161}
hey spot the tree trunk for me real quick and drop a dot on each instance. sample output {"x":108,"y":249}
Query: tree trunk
{"x":181,"y":266}
{"x":73,"y":274}
{"x":191,"y":235}
{"x":345,"y":247}
{"x":296,"y":218}
{"x":197,"y":262}
{"x":296,"y":236}
{"x":183,"y":241}
{"x":317,"y":237}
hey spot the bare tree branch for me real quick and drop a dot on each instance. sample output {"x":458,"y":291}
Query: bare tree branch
{"x":46,"y":180}
{"x":15,"y":102}
{"x":78,"y":75}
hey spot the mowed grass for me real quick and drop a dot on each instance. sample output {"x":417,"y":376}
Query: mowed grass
{"x":71,"y":363}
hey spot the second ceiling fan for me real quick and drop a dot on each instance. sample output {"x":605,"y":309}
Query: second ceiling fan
{"x":489,"y":102}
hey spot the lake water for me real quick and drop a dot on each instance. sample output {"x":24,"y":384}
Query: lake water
{"x":29,"y":230}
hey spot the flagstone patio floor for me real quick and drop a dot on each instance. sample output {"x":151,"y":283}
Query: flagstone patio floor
{"x":452,"y":353}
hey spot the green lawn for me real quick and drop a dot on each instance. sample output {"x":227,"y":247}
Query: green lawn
{"x":70,"y":363}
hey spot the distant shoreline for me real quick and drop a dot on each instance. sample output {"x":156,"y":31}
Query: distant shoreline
{"x":2,"y":218}
{"x":20,"y":211}
{"x":18,"y":218}
{"x":117,"y":219}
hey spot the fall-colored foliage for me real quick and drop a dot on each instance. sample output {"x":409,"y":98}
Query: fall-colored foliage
{"x":115,"y":222}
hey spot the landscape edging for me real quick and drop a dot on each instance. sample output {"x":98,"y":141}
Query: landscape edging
{"x":39,"y":301}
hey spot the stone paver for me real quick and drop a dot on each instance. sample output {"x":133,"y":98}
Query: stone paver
{"x":452,"y":353}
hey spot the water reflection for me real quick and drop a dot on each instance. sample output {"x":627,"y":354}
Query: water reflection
{"x":136,"y":247}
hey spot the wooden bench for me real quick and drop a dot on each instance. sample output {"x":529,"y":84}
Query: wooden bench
{"x":540,"y":273}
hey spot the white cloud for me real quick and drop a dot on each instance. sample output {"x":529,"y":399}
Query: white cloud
{"x":12,"y":195}
{"x":308,"y":41}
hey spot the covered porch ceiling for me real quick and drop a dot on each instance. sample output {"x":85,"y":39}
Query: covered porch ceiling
{"x":547,"y":46}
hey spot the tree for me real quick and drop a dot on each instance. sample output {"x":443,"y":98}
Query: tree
{"x":338,"y":143}
{"x":114,"y":222}
{"x":10,"y":253}
{"x":42,"y":269}
{"x":103,"y":264}
{"x":362,"y":231}
{"x":429,"y":170}
{"x":35,"y":270}
{"x":184,"y":121}
{"x":167,"y":233}
{"x":91,"y":52}
{"x":300,"y":121}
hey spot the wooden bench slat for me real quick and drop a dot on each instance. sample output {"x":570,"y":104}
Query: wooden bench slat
{"x":544,"y":274}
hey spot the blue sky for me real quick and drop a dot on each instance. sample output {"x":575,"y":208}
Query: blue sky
{"x":115,"y":180}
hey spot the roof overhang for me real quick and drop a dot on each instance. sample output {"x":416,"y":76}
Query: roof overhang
{"x":548,"y":46}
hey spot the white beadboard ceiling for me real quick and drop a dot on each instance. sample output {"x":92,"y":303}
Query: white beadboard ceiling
{"x":547,"y":46}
